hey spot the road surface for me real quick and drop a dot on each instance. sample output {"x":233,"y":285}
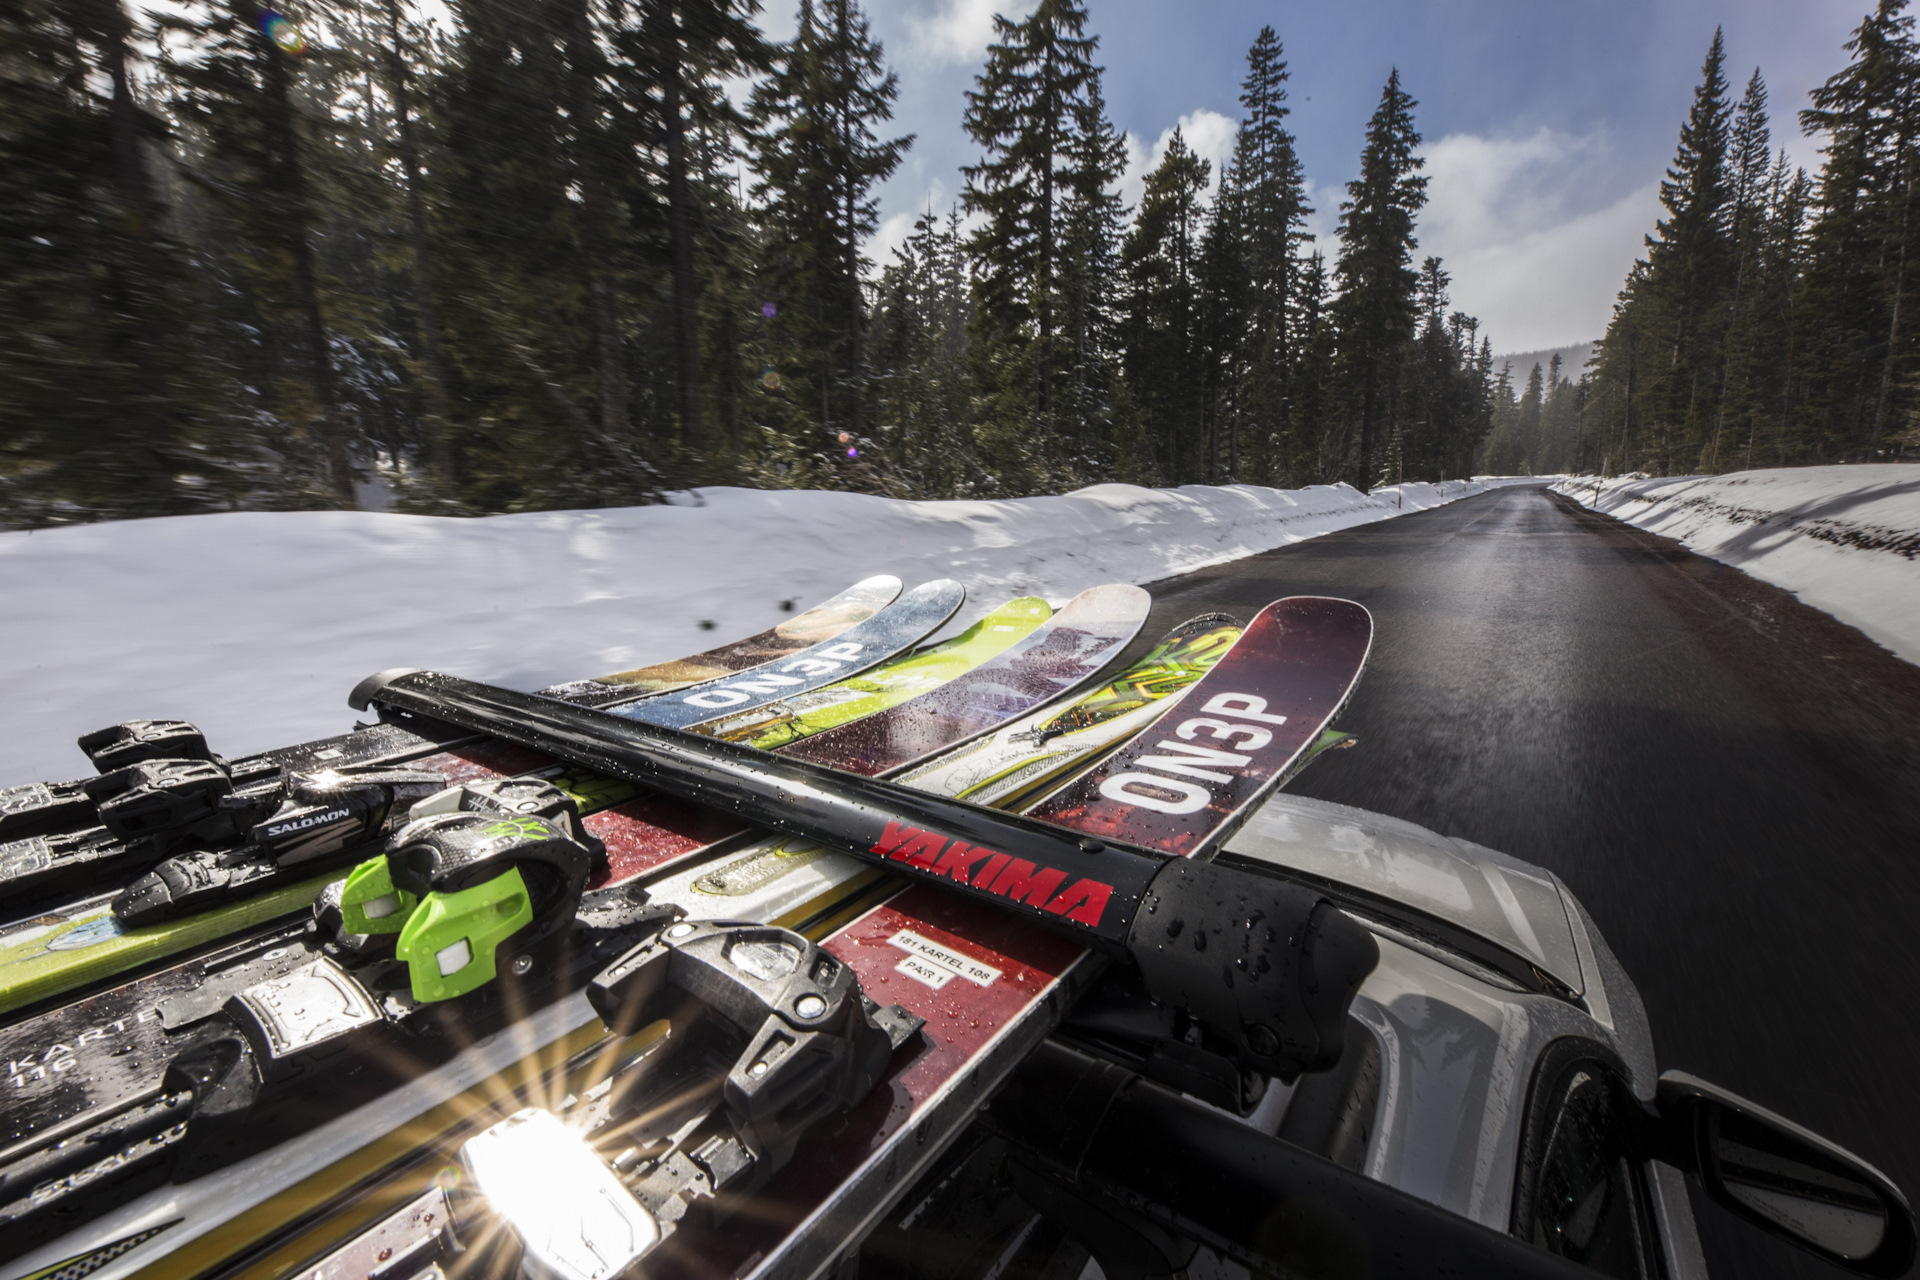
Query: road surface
{"x":1729,"y":780}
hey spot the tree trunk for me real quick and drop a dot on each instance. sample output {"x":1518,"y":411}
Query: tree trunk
{"x":1044,"y":274}
{"x":1626,"y":429}
{"x":426,"y":312}
{"x":601,"y":292}
{"x":306,"y":283}
{"x":1893,"y":321}
{"x":129,"y":169}
{"x":686,"y":298}
{"x":1367,"y":406}
{"x":152,"y":434}
{"x":856,"y":348}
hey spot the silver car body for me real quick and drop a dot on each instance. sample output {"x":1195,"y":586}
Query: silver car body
{"x":1458,"y":1035}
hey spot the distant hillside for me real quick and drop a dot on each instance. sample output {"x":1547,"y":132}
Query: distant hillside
{"x":1572,"y":360}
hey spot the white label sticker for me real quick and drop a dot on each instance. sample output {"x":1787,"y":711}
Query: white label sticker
{"x":951,"y":961}
{"x":920,"y":971}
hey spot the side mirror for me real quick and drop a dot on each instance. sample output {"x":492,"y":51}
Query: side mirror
{"x":1786,"y":1180}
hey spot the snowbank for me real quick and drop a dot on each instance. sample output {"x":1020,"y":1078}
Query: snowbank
{"x":1844,"y":539}
{"x":255,"y":625}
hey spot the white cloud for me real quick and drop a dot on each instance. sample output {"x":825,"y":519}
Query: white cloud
{"x":958,"y":31}
{"x":1536,"y":239}
{"x":1207,"y":133}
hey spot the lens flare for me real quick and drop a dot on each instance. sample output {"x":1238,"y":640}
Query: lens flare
{"x":844,"y":437}
{"x":770,"y":380}
{"x":853,"y":453}
{"x":285,"y":36}
{"x":768,"y":310}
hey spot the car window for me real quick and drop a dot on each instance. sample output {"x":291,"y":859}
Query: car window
{"x":1579,"y":1195}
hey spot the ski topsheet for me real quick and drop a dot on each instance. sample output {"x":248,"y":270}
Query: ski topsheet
{"x":53,"y":950}
{"x":1039,"y":669}
{"x":1184,"y":791}
{"x":792,"y":718}
{"x":864,"y":645}
{"x":988,"y":985}
{"x":823,"y":622}
{"x":1022,"y":757}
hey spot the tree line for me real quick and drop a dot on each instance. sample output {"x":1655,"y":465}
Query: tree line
{"x":1768,"y":323}
{"x":551,"y":254}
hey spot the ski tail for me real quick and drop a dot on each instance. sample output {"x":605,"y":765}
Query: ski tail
{"x":821,"y":623}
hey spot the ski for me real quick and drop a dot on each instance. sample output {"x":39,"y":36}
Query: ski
{"x":296,"y":814}
{"x":825,"y":621}
{"x":1292,"y":671}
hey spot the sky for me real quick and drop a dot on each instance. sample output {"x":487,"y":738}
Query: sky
{"x":1547,"y":123}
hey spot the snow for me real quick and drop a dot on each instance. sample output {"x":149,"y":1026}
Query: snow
{"x":255,"y":625}
{"x":1844,"y":539}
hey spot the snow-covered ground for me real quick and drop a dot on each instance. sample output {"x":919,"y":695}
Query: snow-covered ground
{"x":1843,"y":539}
{"x":255,"y":625}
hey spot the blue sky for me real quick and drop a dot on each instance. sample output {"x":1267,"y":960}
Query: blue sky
{"x":1547,"y":125}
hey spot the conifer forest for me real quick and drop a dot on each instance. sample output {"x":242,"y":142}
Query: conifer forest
{"x":536,"y":254}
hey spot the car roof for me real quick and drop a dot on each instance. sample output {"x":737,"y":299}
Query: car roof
{"x":1497,"y":899}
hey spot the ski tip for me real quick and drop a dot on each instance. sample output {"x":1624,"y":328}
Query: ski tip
{"x":363,"y":692}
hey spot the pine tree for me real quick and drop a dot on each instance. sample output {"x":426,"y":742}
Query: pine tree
{"x":682,"y":49}
{"x":1087,"y":353}
{"x":1376,"y":307}
{"x":1220,"y":344}
{"x":1444,"y":390}
{"x":1160,"y":263}
{"x":1691,"y":267}
{"x":1659,"y":375}
{"x":1749,"y":154}
{"x":1860,"y":360}
{"x":818,"y":158}
{"x":515,"y":313}
{"x":1314,"y":341}
{"x":1026,"y":111}
{"x":1270,"y":216}
{"x":920,"y":366}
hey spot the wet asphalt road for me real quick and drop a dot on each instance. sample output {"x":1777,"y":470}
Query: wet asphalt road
{"x":1729,"y":781}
